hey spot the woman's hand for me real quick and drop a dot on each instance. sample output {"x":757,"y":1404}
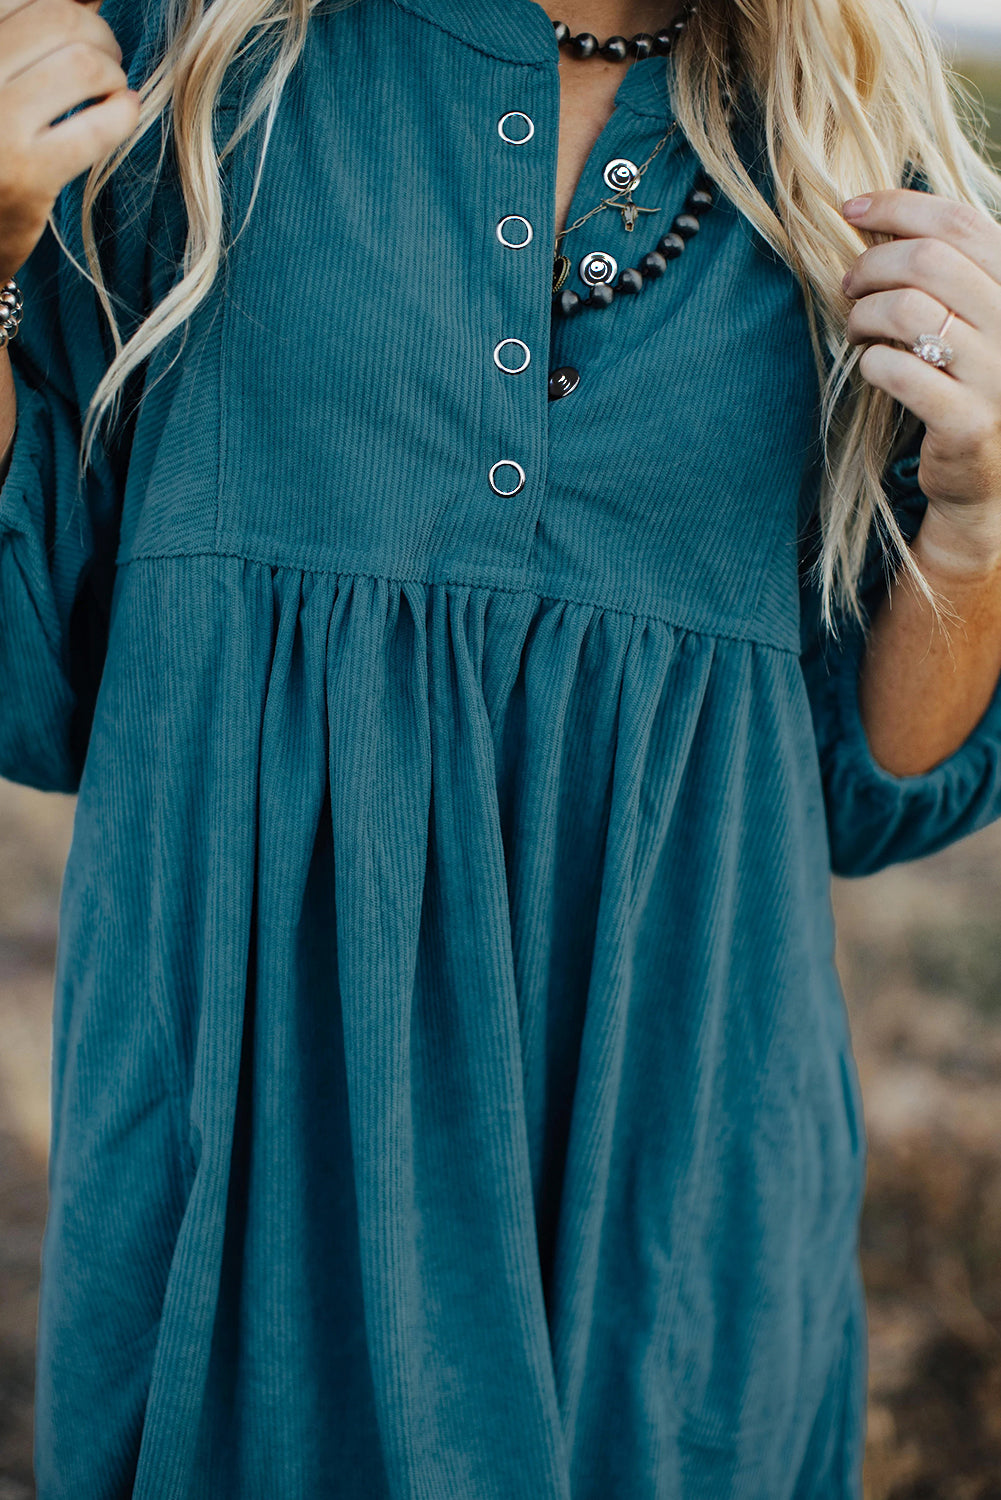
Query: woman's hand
{"x":54,"y":55}
{"x":947,"y":256}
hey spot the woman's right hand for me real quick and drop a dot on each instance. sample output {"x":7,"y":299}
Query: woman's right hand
{"x":54,"y":55}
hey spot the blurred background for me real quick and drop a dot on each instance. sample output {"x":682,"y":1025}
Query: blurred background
{"x":920,"y":957}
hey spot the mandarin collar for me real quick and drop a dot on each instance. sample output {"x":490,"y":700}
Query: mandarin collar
{"x":521,"y":31}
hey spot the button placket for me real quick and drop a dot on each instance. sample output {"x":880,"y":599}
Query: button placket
{"x":507,"y":119}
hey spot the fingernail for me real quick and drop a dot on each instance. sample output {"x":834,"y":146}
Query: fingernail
{"x":845,"y":280}
{"x":855,"y":207}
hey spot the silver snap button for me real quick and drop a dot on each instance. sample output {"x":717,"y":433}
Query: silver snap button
{"x":515,"y":140}
{"x":621,"y":173}
{"x":510,"y":463}
{"x":514,"y":244}
{"x":597,"y":267}
{"x":513,"y":369}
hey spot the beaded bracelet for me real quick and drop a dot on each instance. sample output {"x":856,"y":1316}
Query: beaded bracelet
{"x":11,"y":307}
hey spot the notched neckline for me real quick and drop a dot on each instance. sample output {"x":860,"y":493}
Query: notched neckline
{"x":521,"y":31}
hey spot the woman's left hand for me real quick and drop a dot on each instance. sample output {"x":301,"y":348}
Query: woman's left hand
{"x":947,"y":256}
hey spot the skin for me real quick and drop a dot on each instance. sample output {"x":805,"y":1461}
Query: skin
{"x":923,"y":687}
{"x":588,"y":85}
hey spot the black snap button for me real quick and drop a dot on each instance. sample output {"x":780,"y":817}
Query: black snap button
{"x":563,"y":381}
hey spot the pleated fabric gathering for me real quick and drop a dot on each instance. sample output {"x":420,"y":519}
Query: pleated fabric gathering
{"x":456,"y":808}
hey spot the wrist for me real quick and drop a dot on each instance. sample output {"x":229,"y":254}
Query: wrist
{"x":962,"y":549}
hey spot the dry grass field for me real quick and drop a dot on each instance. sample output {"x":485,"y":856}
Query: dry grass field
{"x":920,"y":955}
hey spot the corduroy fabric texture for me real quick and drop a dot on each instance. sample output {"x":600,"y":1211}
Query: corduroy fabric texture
{"x":452,"y":1091}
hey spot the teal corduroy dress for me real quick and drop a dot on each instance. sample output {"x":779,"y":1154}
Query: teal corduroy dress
{"x":452,"y":1092}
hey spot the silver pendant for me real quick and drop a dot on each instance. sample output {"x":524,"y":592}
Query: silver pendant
{"x":597,"y":267}
{"x":621,"y":173}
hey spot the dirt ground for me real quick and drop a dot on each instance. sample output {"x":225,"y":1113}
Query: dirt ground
{"x":920,"y":955}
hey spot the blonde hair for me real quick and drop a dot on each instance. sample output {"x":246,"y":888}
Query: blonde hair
{"x":852,"y":95}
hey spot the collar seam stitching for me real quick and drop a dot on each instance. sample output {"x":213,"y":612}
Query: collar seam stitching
{"x":439,"y":25}
{"x":648,"y":114}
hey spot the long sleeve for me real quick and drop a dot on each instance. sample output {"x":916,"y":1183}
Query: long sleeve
{"x":56,"y":540}
{"x":875,"y":818}
{"x":58,"y":537}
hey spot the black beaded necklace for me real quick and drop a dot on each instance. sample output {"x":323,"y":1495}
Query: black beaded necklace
{"x":597,"y":268}
{"x":617,"y":49}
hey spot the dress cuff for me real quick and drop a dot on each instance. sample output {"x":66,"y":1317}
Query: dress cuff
{"x":879,"y":817}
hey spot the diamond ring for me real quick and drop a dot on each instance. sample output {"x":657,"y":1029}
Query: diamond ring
{"x":932,"y":348}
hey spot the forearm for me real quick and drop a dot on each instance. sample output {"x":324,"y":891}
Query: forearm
{"x":8,"y":413}
{"x":924,"y":686}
